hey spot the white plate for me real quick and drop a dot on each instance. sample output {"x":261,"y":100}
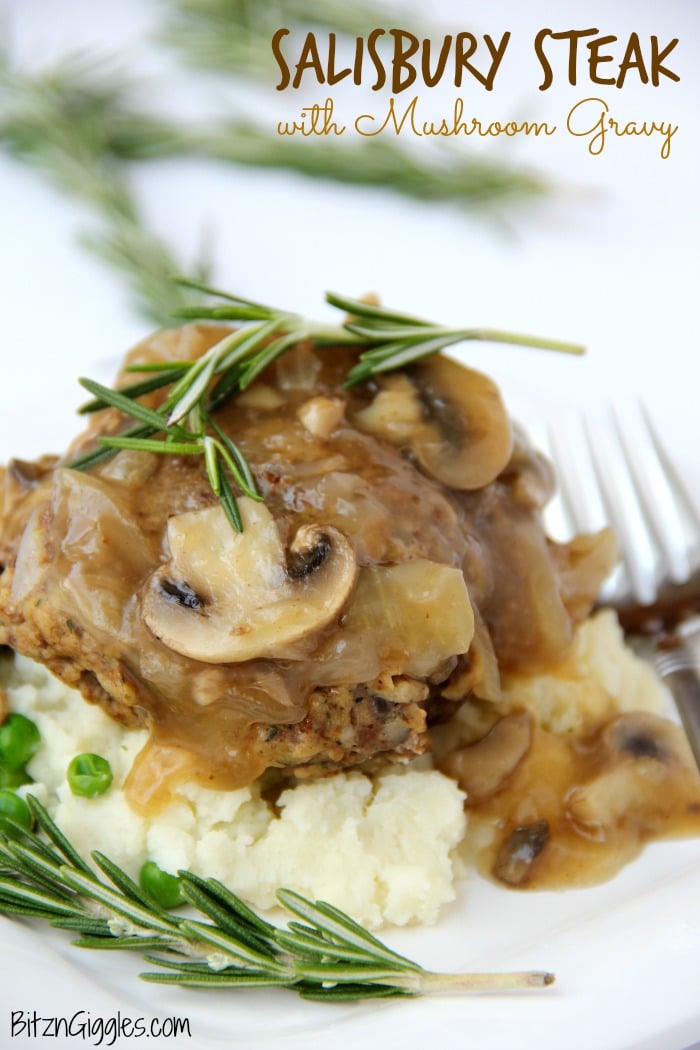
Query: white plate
{"x":617,"y":268}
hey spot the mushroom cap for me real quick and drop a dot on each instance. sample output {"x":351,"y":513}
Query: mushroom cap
{"x":451,"y":418}
{"x":466,"y":439}
{"x":225,"y":596}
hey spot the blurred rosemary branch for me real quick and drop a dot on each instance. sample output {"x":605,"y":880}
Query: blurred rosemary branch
{"x":474,"y":182}
{"x":77,"y":120}
{"x":80,"y":125}
{"x":76,"y":129}
{"x":233,"y":36}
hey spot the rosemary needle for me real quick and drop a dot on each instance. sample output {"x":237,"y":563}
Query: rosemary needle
{"x":220,"y":942}
{"x":385,"y":340}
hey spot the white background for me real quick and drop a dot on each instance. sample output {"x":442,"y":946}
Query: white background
{"x":612,"y":261}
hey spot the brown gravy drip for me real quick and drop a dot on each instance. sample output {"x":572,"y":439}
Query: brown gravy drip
{"x":576,"y":809}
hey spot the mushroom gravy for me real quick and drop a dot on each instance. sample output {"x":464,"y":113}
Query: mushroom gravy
{"x":562,"y":811}
{"x":426,"y":505}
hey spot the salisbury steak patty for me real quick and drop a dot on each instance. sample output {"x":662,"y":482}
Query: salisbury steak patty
{"x":397,"y":560}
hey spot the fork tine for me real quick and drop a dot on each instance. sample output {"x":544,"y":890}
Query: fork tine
{"x":577,"y":505}
{"x":577,"y":500}
{"x":658,"y":493}
{"x":622,"y":475}
{"x":625,"y":513}
{"x":684,"y":500}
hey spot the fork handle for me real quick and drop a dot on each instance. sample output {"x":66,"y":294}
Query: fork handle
{"x":677,"y":668}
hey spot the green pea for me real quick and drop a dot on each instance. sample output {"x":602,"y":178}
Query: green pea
{"x":13,"y":808}
{"x":165,"y":889}
{"x":19,"y":741}
{"x":89,"y":775}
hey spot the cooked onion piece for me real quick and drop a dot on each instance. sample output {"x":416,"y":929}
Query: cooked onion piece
{"x":405,"y":619}
{"x":321,"y":415}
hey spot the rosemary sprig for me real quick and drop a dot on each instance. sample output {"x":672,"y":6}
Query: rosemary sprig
{"x":385,"y":340}
{"x":220,"y":943}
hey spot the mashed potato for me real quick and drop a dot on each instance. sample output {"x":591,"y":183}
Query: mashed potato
{"x":599,"y":678}
{"x":383,"y":848}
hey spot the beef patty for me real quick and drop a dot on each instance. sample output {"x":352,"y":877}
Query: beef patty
{"x":397,"y":563}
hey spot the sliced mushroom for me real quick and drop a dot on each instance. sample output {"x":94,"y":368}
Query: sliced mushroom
{"x":225,"y":597}
{"x":529,"y":473}
{"x":642,"y":760}
{"x":483,"y":768}
{"x":451,"y":418}
{"x":518,"y":853}
{"x":641,"y":734}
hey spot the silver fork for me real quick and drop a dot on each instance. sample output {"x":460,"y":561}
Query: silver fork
{"x":619,"y":473}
